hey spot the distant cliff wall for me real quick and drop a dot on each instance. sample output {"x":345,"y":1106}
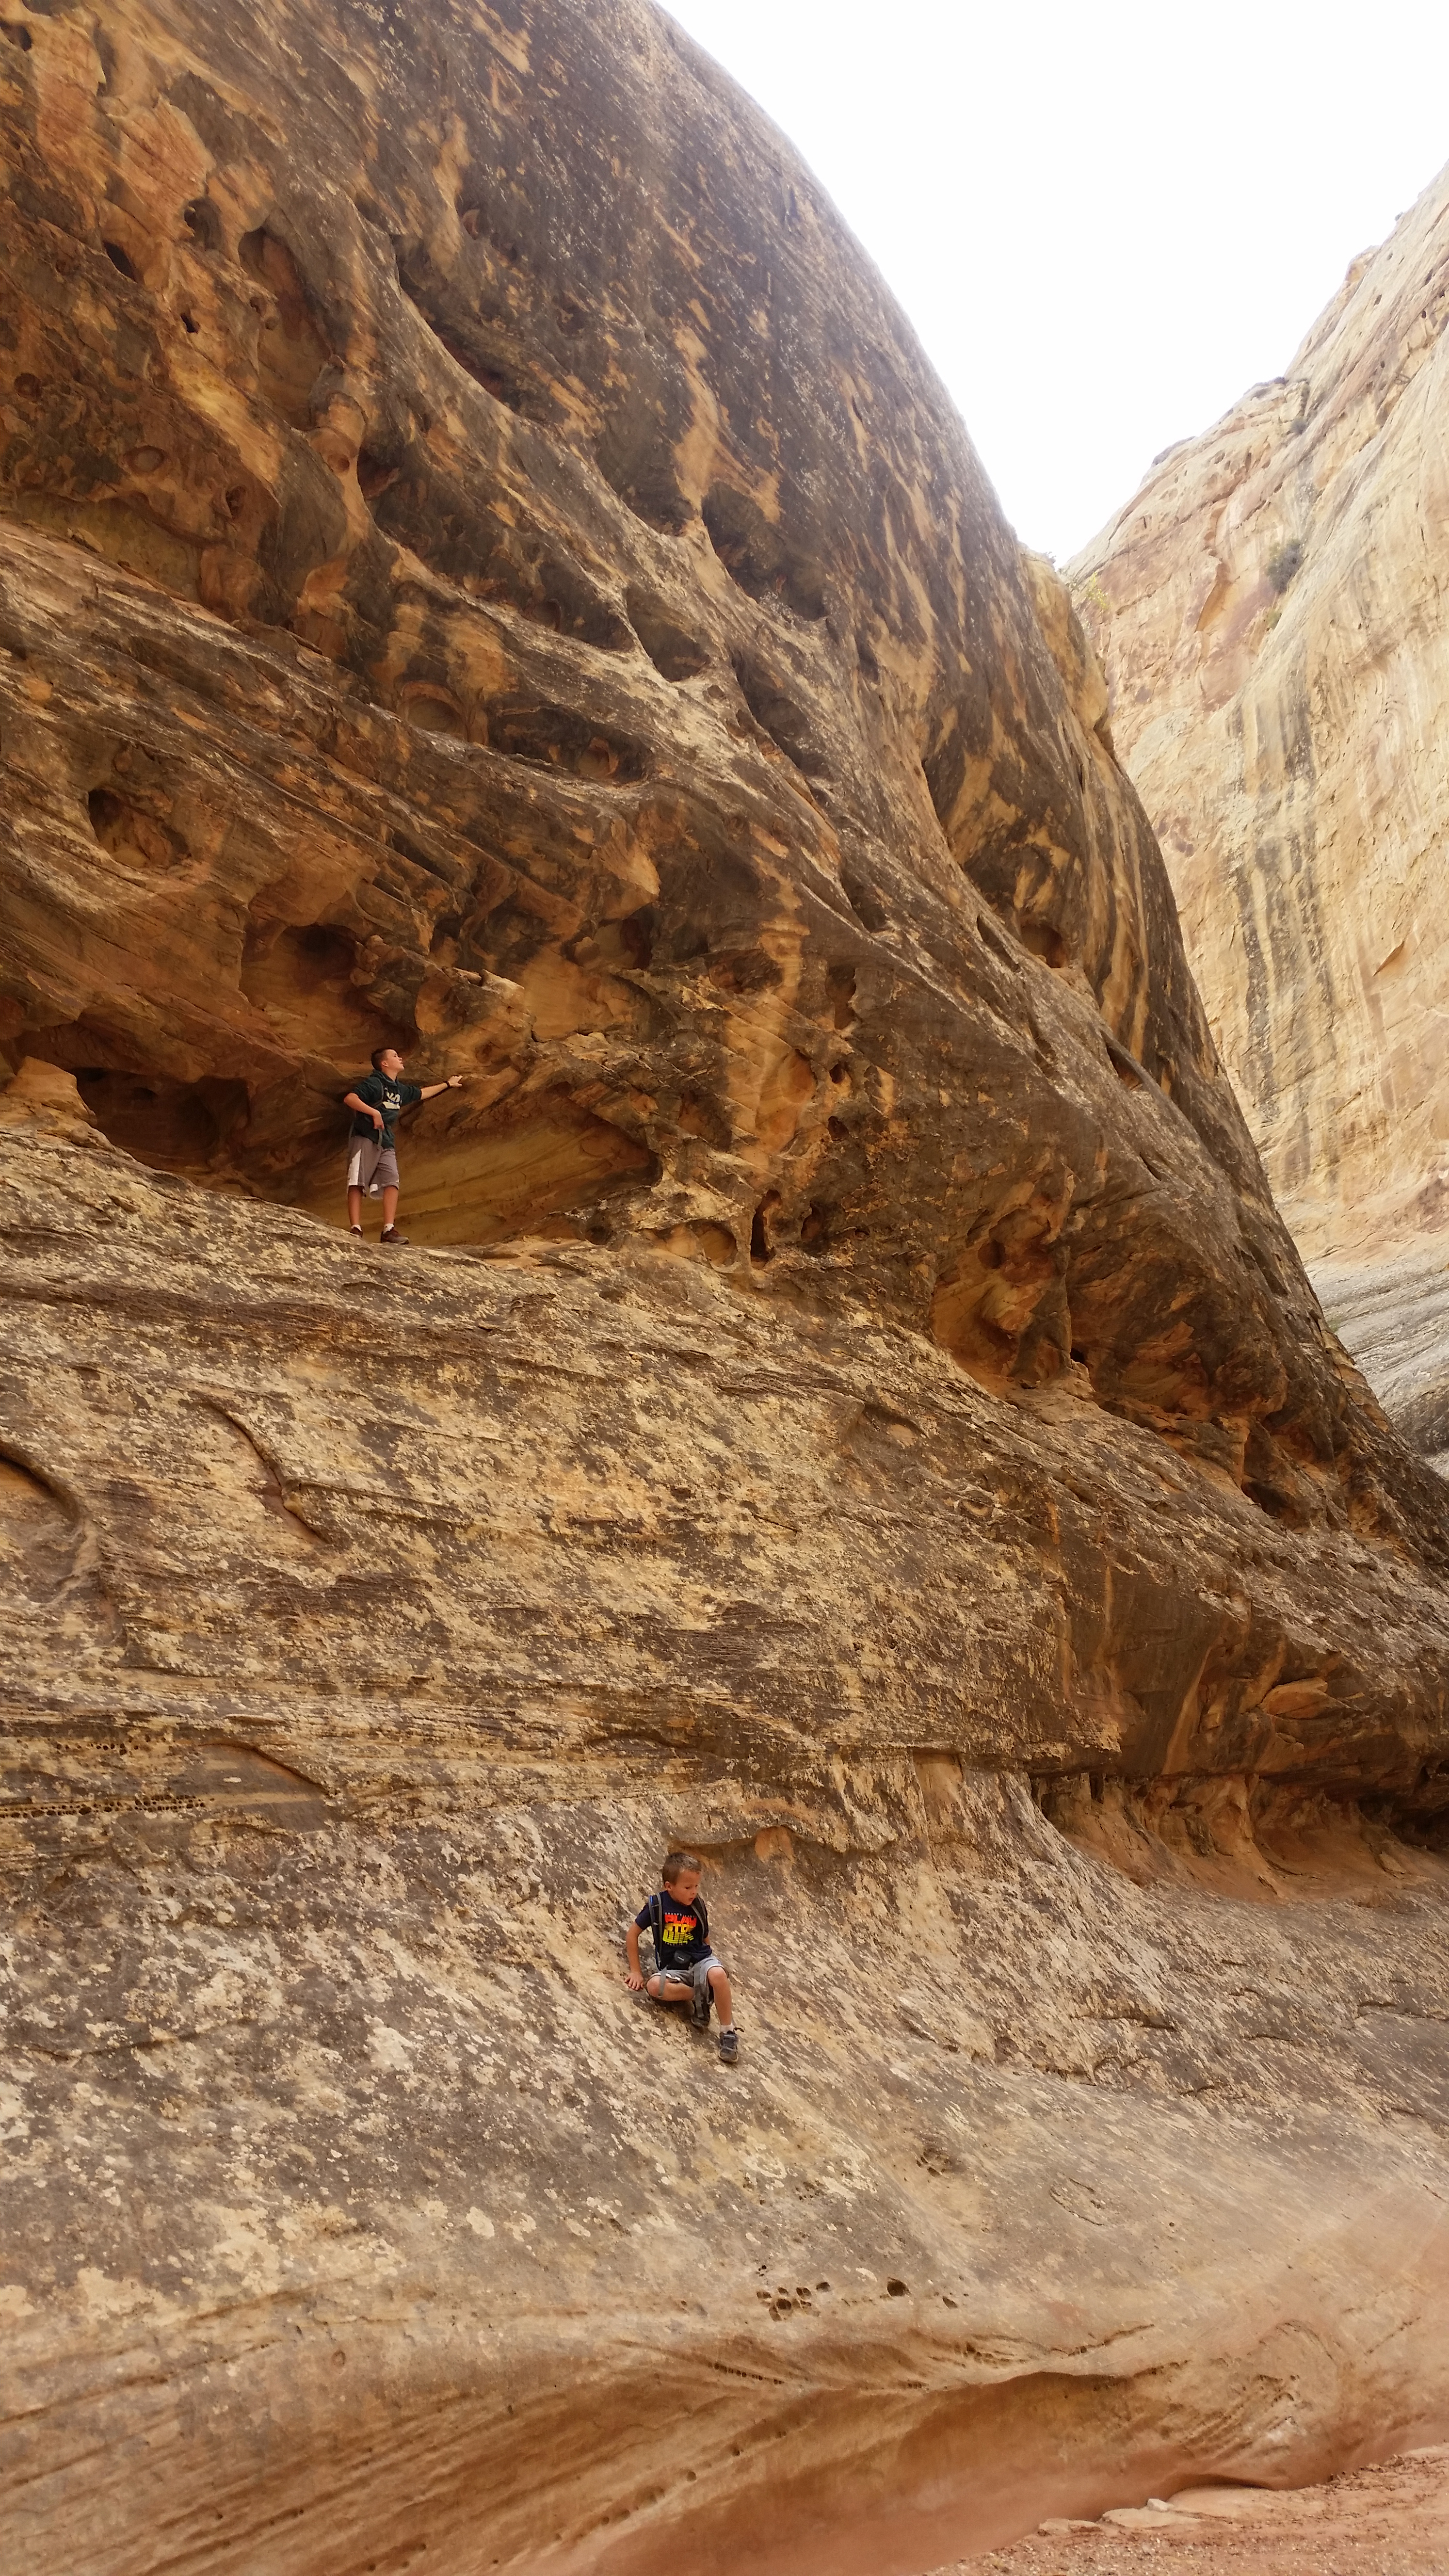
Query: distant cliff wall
{"x":1269,"y":612}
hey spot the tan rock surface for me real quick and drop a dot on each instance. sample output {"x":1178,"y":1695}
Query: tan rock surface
{"x":373,"y":1625}
{"x":1267,"y":611}
{"x":1389,"y":2521}
{"x":487,"y":567}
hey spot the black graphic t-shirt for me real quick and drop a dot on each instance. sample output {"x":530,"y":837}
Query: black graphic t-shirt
{"x":388,"y":1096}
{"x":685,"y":1928}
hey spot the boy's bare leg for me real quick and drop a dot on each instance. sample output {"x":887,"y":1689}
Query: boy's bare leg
{"x":389,"y":1207}
{"x":673,"y":1990}
{"x":354,"y":1207}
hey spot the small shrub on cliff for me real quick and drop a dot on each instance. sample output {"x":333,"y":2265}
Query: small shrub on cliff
{"x":1283,"y":565}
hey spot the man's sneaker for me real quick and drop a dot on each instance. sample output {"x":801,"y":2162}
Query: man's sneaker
{"x":390,"y":1234}
{"x":357,"y":1230}
{"x":729,"y":2046}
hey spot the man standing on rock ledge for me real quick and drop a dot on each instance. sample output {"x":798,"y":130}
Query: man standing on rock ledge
{"x":376,"y":1099}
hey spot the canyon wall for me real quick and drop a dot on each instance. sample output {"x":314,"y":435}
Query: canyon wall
{"x":486,"y":567}
{"x":1267,"y":612}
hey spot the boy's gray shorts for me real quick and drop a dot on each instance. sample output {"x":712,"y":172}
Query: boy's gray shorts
{"x":685,"y":1976}
{"x":372,"y":1167}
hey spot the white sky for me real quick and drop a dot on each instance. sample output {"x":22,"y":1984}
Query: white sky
{"x":1105,"y":221}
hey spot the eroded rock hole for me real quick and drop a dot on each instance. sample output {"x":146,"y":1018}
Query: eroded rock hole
{"x":139,"y":840}
{"x":1129,"y":1073}
{"x":761,"y":1248}
{"x":171,"y":1126}
{"x":744,"y":970}
{"x":635,"y":455}
{"x":309,"y":982}
{"x":776,"y":713}
{"x":468,"y":339}
{"x":203,"y":223}
{"x":291,"y":347}
{"x":757,"y":554}
{"x":863,"y":901}
{"x":433,"y":711}
{"x":38,"y":1530}
{"x":842,"y":998}
{"x":1041,"y":939}
{"x":17,"y":36}
{"x":675,"y":654}
{"x":631,"y":940}
{"x":443,"y":519}
{"x":121,"y":259}
{"x":558,"y":738}
{"x":375,"y":474}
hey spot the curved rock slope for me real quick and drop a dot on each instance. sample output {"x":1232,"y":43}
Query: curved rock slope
{"x":1267,"y":610}
{"x":486,"y":566}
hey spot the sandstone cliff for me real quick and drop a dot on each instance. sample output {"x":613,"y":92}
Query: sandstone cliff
{"x":1267,"y":611}
{"x":486,"y":566}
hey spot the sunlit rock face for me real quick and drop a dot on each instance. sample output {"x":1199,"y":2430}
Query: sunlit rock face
{"x":1267,"y":610}
{"x":486,"y":568}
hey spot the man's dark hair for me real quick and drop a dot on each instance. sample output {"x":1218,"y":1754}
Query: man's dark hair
{"x":377,"y":1055}
{"x":676,"y":1866}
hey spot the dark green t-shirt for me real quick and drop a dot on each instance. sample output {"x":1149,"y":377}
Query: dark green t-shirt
{"x":388,"y":1096}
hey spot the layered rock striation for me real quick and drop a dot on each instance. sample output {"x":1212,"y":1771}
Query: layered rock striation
{"x":1266,"y":610}
{"x":487,"y":568}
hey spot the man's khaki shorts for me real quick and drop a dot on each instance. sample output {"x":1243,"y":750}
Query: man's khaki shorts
{"x":372,"y":1167}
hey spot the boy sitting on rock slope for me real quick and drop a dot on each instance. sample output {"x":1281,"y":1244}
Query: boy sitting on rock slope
{"x":687,"y":1970}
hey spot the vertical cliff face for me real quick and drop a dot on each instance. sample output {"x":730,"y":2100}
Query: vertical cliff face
{"x":486,"y":567}
{"x":1267,"y":612}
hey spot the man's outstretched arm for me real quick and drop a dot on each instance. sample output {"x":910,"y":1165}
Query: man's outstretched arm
{"x":431,"y":1090}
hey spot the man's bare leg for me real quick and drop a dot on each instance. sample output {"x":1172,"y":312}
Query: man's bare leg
{"x":354,"y":1207}
{"x":389,"y":1209}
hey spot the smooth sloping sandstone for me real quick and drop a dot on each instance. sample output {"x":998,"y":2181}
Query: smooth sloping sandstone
{"x":373,"y":1628}
{"x":498,"y":574}
{"x":1268,"y":613}
{"x":1389,"y":2521}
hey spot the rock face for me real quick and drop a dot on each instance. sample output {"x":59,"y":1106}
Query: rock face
{"x":487,"y":568}
{"x":1267,"y":611}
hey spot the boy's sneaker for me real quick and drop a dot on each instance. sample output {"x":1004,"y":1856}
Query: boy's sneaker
{"x":355,"y":1230}
{"x":390,"y":1234}
{"x":729,"y":2046}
